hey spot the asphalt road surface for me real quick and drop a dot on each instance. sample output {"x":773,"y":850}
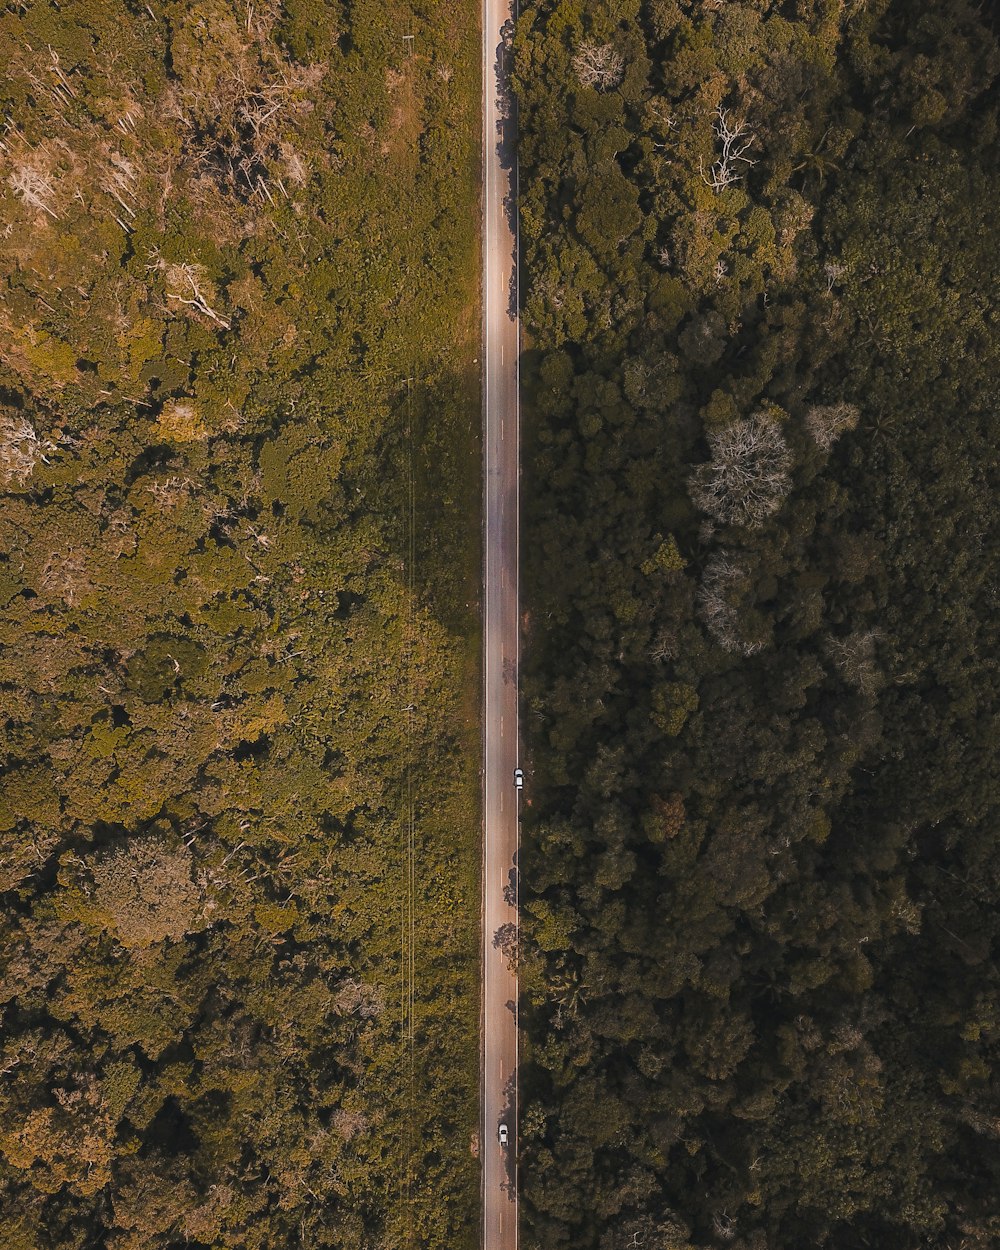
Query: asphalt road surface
{"x":500,"y":634}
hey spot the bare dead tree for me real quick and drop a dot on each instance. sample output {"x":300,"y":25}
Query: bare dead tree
{"x":826,"y":422}
{"x":19,"y":451}
{"x":237,"y":134}
{"x":354,"y":997}
{"x":34,"y":187}
{"x":347,"y":1124}
{"x":55,"y":91}
{"x":120,"y":180}
{"x":854,"y":659}
{"x":723,"y":585}
{"x":908,"y":913}
{"x":599,"y":65}
{"x":295,"y":167}
{"x":189,"y":276}
{"x":66,"y":574}
{"x":56,"y":70}
{"x":649,"y":1231}
{"x":126,"y":123}
{"x":736,"y":140}
{"x":664,"y":645}
{"x":146,"y":890}
{"x":748,"y":475}
{"x":833,"y":272}
{"x":724,"y":1226}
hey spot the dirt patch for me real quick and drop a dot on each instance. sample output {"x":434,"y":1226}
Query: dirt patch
{"x":400,"y":142}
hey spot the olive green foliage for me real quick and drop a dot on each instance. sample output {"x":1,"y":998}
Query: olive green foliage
{"x":237,"y":397}
{"x":760,"y":929}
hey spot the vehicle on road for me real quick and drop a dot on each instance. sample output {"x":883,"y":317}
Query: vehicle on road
{"x":519,"y":778}
{"x":503,"y":1135}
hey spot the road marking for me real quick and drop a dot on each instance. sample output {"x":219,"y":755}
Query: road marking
{"x":501,"y":726}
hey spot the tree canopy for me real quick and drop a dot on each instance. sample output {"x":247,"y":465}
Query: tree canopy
{"x":759,"y":867}
{"x":237,"y":392}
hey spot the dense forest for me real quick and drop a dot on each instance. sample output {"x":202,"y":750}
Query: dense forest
{"x":760,"y":864}
{"x":238,"y":412}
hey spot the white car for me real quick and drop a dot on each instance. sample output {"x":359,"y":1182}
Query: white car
{"x":503,"y":1135}
{"x":518,"y":778}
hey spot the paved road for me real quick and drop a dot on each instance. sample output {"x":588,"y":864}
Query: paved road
{"x":500,"y":637}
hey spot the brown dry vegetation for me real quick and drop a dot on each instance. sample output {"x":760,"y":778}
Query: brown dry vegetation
{"x":218,"y":661}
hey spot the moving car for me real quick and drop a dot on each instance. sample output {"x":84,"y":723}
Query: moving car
{"x":519,"y":778}
{"x":503,"y":1135}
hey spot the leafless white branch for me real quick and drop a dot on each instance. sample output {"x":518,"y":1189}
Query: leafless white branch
{"x":826,"y":422}
{"x":736,"y":140}
{"x":34,"y":188}
{"x":188,"y":274}
{"x":722,"y":586}
{"x":748,"y":475}
{"x":18,"y":449}
{"x":599,"y":65}
{"x":834,"y":272}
